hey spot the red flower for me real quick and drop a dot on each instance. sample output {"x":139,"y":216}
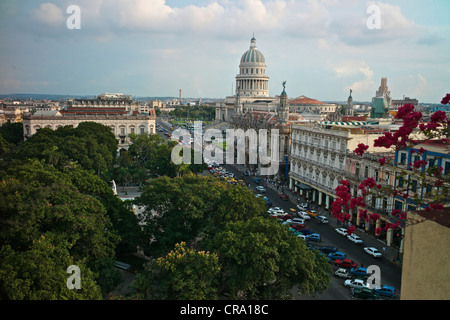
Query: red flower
{"x":446,"y":99}
{"x":361,"y":149}
{"x":377,"y":231}
{"x":438,"y":116}
{"x":374,"y":216}
{"x":382,"y":161}
{"x":350,"y":230}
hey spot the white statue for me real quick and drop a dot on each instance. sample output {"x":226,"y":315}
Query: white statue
{"x":114,"y":187}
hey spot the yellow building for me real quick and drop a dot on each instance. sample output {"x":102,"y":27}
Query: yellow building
{"x":426,"y":257}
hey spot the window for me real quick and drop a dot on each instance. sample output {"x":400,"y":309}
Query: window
{"x":446,"y":167}
{"x":403,"y":158}
{"x":414,"y":186}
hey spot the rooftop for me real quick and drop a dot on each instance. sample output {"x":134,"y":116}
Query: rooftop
{"x":305,"y":100}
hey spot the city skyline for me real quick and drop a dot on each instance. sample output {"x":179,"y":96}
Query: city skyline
{"x":157,"y":47}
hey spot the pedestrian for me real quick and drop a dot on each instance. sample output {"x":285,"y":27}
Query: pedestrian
{"x":384,"y":250}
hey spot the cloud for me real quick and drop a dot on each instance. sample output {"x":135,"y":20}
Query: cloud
{"x":421,"y":87}
{"x":359,"y":73}
{"x":352,"y":29}
{"x":49,"y":15}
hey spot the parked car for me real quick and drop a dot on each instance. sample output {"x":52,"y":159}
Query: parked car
{"x":356,"y":283}
{"x":386,"y":291}
{"x":373,"y":252}
{"x":283,"y":196}
{"x":313,"y":237}
{"x":321,"y":219}
{"x":301,"y":236}
{"x":354,"y":238}
{"x":341,"y":231}
{"x":342,"y":273}
{"x":359,"y":273}
{"x":306,"y":231}
{"x":277,"y":210}
{"x":298,"y":220}
{"x":304,"y":215}
{"x":302,"y":206}
{"x":337,"y":255}
{"x":328,"y":249}
{"x":346,"y":263}
{"x":261,"y":189}
{"x":365,"y":293}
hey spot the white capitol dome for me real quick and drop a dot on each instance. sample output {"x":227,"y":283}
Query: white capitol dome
{"x":252,"y":80}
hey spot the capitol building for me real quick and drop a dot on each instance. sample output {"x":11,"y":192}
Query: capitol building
{"x":252,"y":93}
{"x":252,"y":87}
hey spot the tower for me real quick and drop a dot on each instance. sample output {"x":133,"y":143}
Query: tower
{"x":349,"y":107}
{"x":383,"y":92}
{"x":283,"y":108}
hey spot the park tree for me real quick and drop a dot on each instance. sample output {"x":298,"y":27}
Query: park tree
{"x":38,"y":200}
{"x":185,"y":208}
{"x":40,"y":272}
{"x":260,"y":259}
{"x":182,"y":274}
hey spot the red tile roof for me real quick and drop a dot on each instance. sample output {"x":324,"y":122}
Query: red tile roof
{"x":305,"y":100}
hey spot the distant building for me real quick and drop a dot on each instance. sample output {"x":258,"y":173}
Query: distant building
{"x":123,"y":115}
{"x":406,"y":100}
{"x":383,"y":92}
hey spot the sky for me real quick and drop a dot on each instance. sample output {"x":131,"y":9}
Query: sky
{"x":151,"y":48}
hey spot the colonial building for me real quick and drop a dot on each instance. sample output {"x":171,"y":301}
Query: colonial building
{"x":319,"y":154}
{"x":123,"y":115}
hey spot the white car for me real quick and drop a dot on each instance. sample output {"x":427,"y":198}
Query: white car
{"x":302,"y":206}
{"x":373,"y":252}
{"x":343,"y":273}
{"x":261,"y":189}
{"x":276,"y":210}
{"x":304,"y":215}
{"x":302,"y":236}
{"x":341,"y":231}
{"x":354,"y":238}
{"x":356,"y":283}
{"x":322,"y":219}
{"x":298,"y":220}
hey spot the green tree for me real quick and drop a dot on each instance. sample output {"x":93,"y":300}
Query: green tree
{"x":190,"y":207}
{"x":39,"y":273}
{"x":261,"y":259}
{"x":183,"y":274}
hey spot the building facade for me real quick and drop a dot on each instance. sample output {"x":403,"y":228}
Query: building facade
{"x":123,"y":115}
